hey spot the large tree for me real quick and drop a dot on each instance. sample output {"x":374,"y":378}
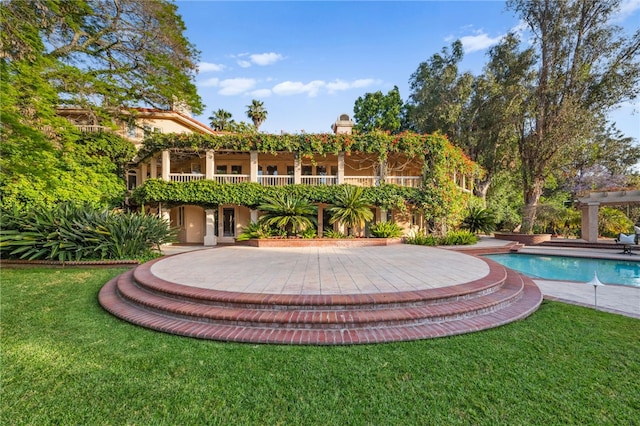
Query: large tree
{"x":490,"y":120}
{"x":586,"y":66}
{"x":105,"y":53}
{"x":101,"y":55}
{"x":376,"y":111}
{"x":439,"y":93}
{"x":256,"y":112}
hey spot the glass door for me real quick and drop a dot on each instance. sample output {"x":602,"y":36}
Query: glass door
{"x":229,"y":222}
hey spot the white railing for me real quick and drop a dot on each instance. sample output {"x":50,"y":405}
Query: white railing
{"x":185,"y":177}
{"x":409,"y":181}
{"x":362,"y":180}
{"x":318,"y":180}
{"x":231,"y":178}
{"x":91,"y":129}
{"x":269,"y":180}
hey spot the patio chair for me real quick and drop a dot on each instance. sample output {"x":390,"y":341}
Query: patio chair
{"x":627,"y":241}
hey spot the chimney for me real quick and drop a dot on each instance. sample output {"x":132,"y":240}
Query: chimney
{"x":342,"y":125}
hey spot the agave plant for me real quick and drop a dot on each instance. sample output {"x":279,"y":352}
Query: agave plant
{"x":386,"y":230}
{"x":350,"y":208}
{"x":479,"y":219}
{"x":288,"y":212}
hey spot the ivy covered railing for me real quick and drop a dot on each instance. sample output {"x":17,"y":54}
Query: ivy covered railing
{"x":435,"y":149}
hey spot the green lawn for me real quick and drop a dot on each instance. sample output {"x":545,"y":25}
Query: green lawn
{"x":66,"y":361}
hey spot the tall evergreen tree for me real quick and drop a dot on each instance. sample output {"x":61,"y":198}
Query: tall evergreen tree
{"x":376,"y":111}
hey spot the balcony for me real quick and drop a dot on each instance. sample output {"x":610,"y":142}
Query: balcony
{"x":315,"y":180}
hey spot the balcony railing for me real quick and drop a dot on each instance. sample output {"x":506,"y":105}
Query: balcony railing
{"x":408,"y":181}
{"x":185,"y":177}
{"x":270,"y":180}
{"x":231,"y":178}
{"x":362,"y":180}
{"x":318,"y":180}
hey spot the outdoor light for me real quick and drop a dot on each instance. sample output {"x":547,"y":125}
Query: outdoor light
{"x":595,"y":282}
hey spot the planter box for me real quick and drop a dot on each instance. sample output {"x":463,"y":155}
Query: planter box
{"x":526,"y":239}
{"x":320,"y":242}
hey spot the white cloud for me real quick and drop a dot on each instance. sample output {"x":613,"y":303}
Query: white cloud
{"x":296,"y":88}
{"x":479,"y":41}
{"x":210,"y":82}
{"x":340,"y":85}
{"x":263,"y":59}
{"x":236,"y":86}
{"x":244,"y":64}
{"x":261,"y":93}
{"x":209,"y":67}
{"x":627,"y":7}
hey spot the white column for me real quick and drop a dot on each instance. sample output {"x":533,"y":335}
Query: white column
{"x":253,"y":170}
{"x":153,"y":168}
{"x":320,"y":219}
{"x":209,"y":165}
{"x":165,"y":214}
{"x":210,"y":228}
{"x":590,"y":222}
{"x":340,"y":168}
{"x":254,"y":215}
{"x":143,"y":173}
{"x":383,"y":215}
{"x":166,"y":165}
{"x":297,"y":169}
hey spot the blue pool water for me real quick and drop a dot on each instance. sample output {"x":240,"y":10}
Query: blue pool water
{"x":572,"y":268}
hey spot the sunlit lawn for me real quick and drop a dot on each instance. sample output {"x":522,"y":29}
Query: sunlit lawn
{"x":66,"y":361}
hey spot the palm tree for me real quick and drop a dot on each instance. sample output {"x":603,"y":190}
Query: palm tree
{"x":288,"y":212}
{"x":256,"y":112}
{"x":350,"y":208}
{"x":220,"y":120}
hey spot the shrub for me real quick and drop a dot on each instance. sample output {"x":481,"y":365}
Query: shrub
{"x":479,"y":219}
{"x":386,"y":230}
{"x":422,"y":240}
{"x":70,"y":232}
{"x":254,"y":230}
{"x":331,"y":233}
{"x":611,"y":222}
{"x":308,"y":233}
{"x":459,"y":238}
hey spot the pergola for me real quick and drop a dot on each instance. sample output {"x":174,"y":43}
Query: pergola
{"x":591,"y":204}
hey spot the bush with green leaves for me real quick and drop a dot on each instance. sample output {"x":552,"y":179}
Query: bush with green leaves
{"x":255,"y":230}
{"x":479,"y":219}
{"x":71,"y":232}
{"x":332,"y":233}
{"x":454,"y":238}
{"x":386,"y":230}
{"x":420,"y":239}
{"x":459,"y":238}
{"x":611,"y":222}
{"x":288,"y":212}
{"x":309,"y":233}
{"x":350,"y":208}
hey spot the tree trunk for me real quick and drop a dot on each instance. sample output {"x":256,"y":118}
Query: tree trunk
{"x":481,"y":187}
{"x":532,"y":193}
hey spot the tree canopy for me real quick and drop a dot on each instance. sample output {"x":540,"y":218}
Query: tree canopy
{"x":376,"y":111}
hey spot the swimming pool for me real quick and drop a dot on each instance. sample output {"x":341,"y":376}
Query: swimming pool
{"x":564,"y":268}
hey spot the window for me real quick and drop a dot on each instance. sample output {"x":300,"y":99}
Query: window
{"x":221,"y":169}
{"x":147,"y":130}
{"x":334,"y":170}
{"x":180,"y":217}
{"x":307,"y":170}
{"x":195,"y":168}
{"x":132,"y":181}
{"x":236,"y":170}
{"x":290,"y":170}
{"x":272,"y":170}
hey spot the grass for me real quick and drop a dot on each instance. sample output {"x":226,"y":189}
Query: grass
{"x":66,"y":361}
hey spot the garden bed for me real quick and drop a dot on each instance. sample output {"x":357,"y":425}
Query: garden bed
{"x":320,"y":242}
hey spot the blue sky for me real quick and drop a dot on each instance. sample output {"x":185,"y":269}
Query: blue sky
{"x":309,"y":61}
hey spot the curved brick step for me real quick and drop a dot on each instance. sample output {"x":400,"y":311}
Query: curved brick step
{"x":501,"y":297}
{"x":485,"y":285}
{"x":521,"y":308}
{"x":327,"y":317}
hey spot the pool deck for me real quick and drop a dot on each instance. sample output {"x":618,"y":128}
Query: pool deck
{"x":610,"y":298}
